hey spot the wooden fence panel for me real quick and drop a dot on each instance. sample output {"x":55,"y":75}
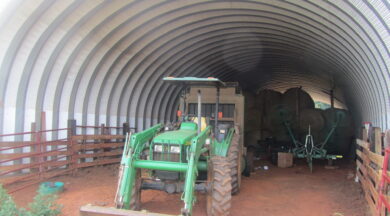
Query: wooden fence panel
{"x":369,"y":169}
{"x":98,"y":149}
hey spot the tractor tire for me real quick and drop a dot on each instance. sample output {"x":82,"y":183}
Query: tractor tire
{"x":135,"y":201}
{"x":234,"y":157}
{"x":219,"y":196}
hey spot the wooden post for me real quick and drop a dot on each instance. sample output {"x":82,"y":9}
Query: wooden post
{"x":126,"y":128}
{"x":34,"y":148}
{"x":378,"y":140}
{"x":42,"y":140}
{"x":102,"y":132}
{"x":364,"y":134}
{"x":71,"y":149}
{"x":386,"y":144}
{"x":386,"y":140}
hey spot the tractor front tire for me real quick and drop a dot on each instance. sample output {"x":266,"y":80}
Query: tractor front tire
{"x":234,"y":157}
{"x":219,"y":196}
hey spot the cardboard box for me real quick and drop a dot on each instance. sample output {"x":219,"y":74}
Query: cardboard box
{"x":285,"y":159}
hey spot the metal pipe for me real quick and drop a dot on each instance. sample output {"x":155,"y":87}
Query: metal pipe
{"x":167,"y":165}
{"x":216,"y":113}
{"x":199,"y":112}
{"x":332,"y":98}
{"x":182,"y":105}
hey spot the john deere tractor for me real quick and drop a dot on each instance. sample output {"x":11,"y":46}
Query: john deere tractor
{"x":202,"y":152}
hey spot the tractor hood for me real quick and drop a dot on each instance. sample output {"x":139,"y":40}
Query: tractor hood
{"x":180,"y":137}
{"x":183,"y":136}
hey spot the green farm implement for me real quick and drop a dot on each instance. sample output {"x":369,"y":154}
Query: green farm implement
{"x":309,"y":149}
{"x":202,"y":152}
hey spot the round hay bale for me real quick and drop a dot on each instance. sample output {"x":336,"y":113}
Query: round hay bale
{"x":297,"y":99}
{"x":267,"y":99}
{"x":250,"y":100}
{"x":312,"y":118}
{"x":274,"y":120}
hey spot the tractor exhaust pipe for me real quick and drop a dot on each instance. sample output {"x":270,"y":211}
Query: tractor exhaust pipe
{"x":216,"y":113}
{"x":199,"y":112}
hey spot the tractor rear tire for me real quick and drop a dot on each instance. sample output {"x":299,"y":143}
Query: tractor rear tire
{"x":219,"y":197}
{"x":234,"y":157}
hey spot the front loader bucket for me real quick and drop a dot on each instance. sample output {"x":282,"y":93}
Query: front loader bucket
{"x":90,"y":210}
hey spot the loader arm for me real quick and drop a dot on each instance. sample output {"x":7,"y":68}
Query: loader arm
{"x":197,"y":148}
{"x":134,"y":146}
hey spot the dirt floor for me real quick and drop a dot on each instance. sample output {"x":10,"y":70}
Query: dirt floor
{"x":276,"y":191}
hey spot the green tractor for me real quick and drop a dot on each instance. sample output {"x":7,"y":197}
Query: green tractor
{"x":202,"y":152}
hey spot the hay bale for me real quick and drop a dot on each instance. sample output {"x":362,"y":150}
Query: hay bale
{"x":297,"y":99}
{"x":250,"y":100}
{"x":267,"y":99}
{"x":312,"y":118}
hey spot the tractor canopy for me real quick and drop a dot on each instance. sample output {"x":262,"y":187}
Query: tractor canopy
{"x":195,"y":81}
{"x":183,"y":136}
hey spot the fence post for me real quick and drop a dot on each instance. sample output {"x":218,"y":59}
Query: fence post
{"x":364,"y":134}
{"x":101,"y":141}
{"x":42,"y":140}
{"x":126,"y":128}
{"x":71,"y":148}
{"x":386,"y":139}
{"x":34,"y":147}
{"x":377,"y":140}
{"x":39,"y":151}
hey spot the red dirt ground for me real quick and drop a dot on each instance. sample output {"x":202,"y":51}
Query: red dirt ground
{"x":289,"y":191}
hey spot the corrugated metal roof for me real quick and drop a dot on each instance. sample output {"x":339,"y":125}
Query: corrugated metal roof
{"x":102,"y":61}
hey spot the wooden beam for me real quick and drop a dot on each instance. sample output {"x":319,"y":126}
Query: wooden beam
{"x":97,"y":146}
{"x":97,"y":137}
{"x":15,"y":144}
{"x":98,"y":162}
{"x":51,"y":164}
{"x":90,"y":210}
{"x":363,"y":143}
{"x":99,"y":154}
{"x":375,"y":158}
{"x":17,"y":156}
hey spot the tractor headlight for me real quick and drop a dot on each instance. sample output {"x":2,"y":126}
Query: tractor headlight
{"x":208,"y":141}
{"x":158,"y":148}
{"x":175,"y":149}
